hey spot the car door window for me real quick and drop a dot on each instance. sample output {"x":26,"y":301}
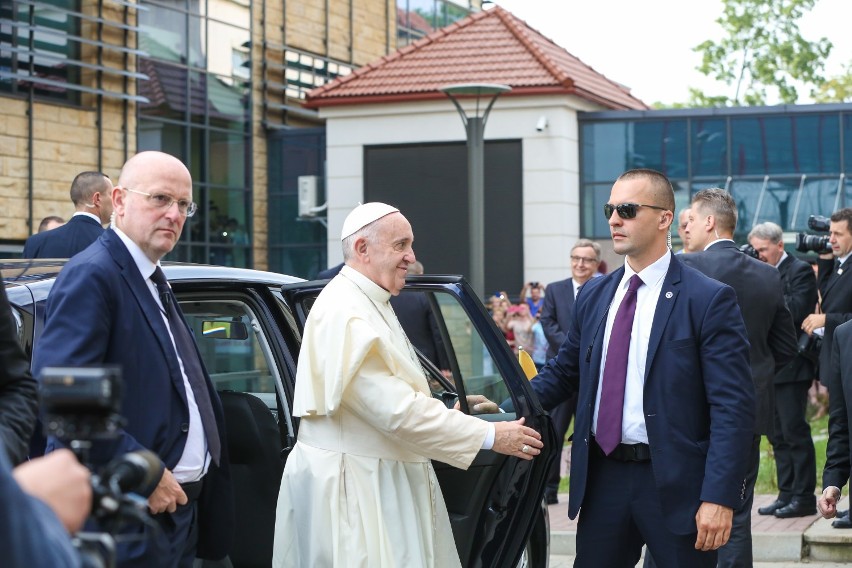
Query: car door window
{"x":233,"y":346}
{"x":472,"y":366}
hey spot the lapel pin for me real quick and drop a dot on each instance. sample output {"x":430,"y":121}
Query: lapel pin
{"x":669,"y":295}
{"x":839,"y":271}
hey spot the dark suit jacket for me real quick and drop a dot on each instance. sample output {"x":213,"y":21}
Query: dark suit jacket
{"x":800,"y":295}
{"x":18,"y":389}
{"x":100,"y":311}
{"x":836,"y":301}
{"x":329,"y":272}
{"x":64,"y":242}
{"x":556,"y":313}
{"x":838,"y":379}
{"x":698,"y":397}
{"x":415,"y":315}
{"x":767,"y":319}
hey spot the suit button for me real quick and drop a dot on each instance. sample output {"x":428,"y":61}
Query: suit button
{"x":184,"y":427}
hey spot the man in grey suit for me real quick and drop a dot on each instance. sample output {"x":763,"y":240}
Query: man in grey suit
{"x":556,"y":320}
{"x":712,"y":220}
{"x":792,"y":444}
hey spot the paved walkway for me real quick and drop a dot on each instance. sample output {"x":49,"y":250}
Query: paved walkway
{"x":777,"y":542}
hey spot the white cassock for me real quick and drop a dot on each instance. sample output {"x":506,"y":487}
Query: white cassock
{"x":358,"y":488}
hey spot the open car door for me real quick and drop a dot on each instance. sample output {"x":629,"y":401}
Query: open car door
{"x":495,"y":507}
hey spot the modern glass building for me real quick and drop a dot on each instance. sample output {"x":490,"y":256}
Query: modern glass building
{"x":780,"y":163}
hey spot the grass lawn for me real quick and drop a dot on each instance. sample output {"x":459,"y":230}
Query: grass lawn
{"x":766,"y":478}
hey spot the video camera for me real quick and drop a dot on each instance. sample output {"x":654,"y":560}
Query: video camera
{"x":816,"y":243}
{"x":82,"y":405}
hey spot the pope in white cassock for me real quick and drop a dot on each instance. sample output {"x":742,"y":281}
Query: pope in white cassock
{"x":358,"y":488}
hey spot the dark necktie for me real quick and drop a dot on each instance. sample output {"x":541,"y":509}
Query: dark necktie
{"x":611,"y":408}
{"x":191,"y":364}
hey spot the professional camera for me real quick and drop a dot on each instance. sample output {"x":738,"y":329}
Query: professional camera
{"x":749,"y":250}
{"x":82,"y":405}
{"x":816,"y":243}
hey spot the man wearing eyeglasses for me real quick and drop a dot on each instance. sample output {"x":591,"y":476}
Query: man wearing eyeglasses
{"x":111,"y":305}
{"x":555,"y":320}
{"x":771,"y":332}
{"x":658,"y":355}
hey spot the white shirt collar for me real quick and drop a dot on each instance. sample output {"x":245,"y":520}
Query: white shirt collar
{"x":652,"y":274}
{"x":784,"y":255}
{"x":143,"y":263}
{"x":373,"y":290}
{"x":87,"y":214}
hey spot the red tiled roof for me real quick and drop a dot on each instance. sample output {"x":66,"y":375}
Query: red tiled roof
{"x":492,"y":46}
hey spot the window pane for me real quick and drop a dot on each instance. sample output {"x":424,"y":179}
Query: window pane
{"x":164,"y":33}
{"x":166,"y":89}
{"x":604,"y":150}
{"x":228,"y":102}
{"x":595,"y":225}
{"x":237,"y":356}
{"x":709,"y":147}
{"x":228,"y":159}
{"x":161,"y":136}
{"x":475,"y":367}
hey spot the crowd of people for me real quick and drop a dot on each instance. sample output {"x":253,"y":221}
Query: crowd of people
{"x":672,"y":367}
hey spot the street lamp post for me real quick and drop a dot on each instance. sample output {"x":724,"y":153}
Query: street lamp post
{"x":475,"y":127}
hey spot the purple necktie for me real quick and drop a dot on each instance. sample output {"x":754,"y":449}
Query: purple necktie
{"x":611,"y":408}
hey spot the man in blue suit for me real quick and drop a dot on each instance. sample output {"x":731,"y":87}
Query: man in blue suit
{"x":555,"y":321}
{"x":90,"y":192}
{"x":111,"y":305}
{"x":659,"y":357}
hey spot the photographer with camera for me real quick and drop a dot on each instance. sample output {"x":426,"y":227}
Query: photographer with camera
{"x":535,"y":299}
{"x":835,"y":290}
{"x":792,"y":444}
{"x":834,"y":284}
{"x":112,"y":306}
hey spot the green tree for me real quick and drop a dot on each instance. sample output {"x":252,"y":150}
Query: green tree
{"x":761,"y":49}
{"x":836,"y":89}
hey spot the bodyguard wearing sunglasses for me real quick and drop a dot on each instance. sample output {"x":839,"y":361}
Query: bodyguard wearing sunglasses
{"x":112,"y":305}
{"x":659,"y":357}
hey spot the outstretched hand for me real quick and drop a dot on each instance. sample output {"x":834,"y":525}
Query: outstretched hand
{"x":515,"y":439}
{"x":478,"y":404}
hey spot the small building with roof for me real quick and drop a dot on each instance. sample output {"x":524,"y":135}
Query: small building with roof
{"x":392,"y":135}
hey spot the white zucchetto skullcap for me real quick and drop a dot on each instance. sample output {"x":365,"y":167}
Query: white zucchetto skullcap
{"x":363,"y":215}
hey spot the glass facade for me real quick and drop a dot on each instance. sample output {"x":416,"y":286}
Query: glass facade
{"x":199,"y":110}
{"x":417,"y":18}
{"x":780,"y":164}
{"x":40,"y":47}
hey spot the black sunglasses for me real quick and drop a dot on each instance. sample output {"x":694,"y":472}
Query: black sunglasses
{"x":626,"y":210}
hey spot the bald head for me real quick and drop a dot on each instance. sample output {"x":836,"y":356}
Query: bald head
{"x":151,"y":187}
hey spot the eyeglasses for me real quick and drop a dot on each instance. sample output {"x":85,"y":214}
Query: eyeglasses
{"x":626,"y":210}
{"x":163,"y":201}
{"x":583,"y":260}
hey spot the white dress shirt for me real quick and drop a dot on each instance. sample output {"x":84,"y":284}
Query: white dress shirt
{"x":195,"y":459}
{"x":633,"y":419}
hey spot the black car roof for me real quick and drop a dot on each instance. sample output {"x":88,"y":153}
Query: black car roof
{"x":32,"y":271}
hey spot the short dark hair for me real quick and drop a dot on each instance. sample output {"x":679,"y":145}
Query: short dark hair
{"x":721,"y":205}
{"x":85,"y":185}
{"x":660,"y":186}
{"x":844,"y":214}
{"x":42,"y":227}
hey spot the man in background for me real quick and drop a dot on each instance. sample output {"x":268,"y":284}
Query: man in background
{"x":90,"y":192}
{"x":771,"y":340}
{"x":50,"y":222}
{"x":792,"y":444}
{"x":556,"y":321}
{"x":682,"y":220}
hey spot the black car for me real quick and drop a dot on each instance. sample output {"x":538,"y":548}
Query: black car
{"x":248,"y":327}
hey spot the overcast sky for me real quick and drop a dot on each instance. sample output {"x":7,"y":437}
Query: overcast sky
{"x":647,"y":45}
